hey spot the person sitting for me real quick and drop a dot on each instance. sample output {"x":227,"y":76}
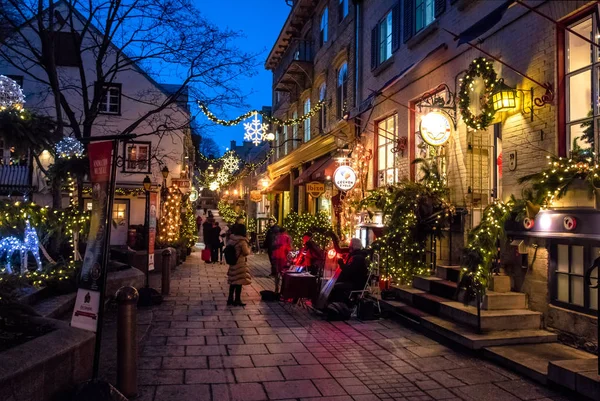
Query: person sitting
{"x":311,"y":256}
{"x":283,"y":246}
{"x":354,"y":273}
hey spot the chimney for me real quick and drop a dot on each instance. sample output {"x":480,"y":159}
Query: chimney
{"x":232,"y":145}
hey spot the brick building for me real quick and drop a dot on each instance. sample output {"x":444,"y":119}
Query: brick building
{"x":402,"y":58}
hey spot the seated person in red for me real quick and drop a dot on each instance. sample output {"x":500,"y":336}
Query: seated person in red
{"x":354,"y":273}
{"x":311,"y":256}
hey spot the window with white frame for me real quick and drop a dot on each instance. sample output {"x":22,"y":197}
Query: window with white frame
{"x":324,"y":26}
{"x":307,"y":120}
{"x":568,"y":264}
{"x":387,"y":132}
{"x":285,"y":140}
{"x":277,"y":142}
{"x":385,"y":38}
{"x":137,"y":157}
{"x":342,"y":90}
{"x":110,"y":99}
{"x":424,"y":13}
{"x":582,"y":65}
{"x":323,"y":109}
{"x":342,"y":9}
{"x":294,"y":128}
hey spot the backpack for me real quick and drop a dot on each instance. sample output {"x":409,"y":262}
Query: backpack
{"x":231,"y":256}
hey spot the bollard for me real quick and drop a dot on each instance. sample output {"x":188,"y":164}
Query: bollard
{"x":127,"y":298}
{"x":166,"y":272}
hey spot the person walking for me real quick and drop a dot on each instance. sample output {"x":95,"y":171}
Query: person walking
{"x":238,"y":274}
{"x":283,"y":247}
{"x":215,"y":242}
{"x":270,"y":244}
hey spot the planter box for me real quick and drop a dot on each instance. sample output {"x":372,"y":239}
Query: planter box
{"x":139,"y":260}
{"x":50,"y":365}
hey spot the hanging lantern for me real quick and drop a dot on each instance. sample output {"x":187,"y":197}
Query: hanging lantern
{"x":504,"y":97}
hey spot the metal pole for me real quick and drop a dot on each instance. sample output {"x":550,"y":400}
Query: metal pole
{"x":105,"y":255}
{"x":147,"y":230}
{"x":127,"y":298}
{"x":478,"y":312}
{"x":166,"y":273}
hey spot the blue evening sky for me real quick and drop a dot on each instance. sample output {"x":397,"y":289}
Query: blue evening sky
{"x":260,"y":21}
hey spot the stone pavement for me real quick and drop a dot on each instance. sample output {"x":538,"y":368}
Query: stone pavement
{"x":200,"y":349}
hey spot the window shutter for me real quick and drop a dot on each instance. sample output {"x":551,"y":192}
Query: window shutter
{"x":340,"y":11}
{"x":396,"y":27}
{"x":409,"y":19}
{"x":440,"y":7}
{"x":374,"y":46}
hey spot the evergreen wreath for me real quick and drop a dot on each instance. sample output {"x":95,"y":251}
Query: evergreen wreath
{"x":479,"y":67}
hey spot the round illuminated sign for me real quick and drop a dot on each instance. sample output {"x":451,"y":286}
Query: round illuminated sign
{"x":435,"y":128}
{"x":193,"y":195}
{"x":344,"y":178}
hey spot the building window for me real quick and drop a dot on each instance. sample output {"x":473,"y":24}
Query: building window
{"x":418,"y":14}
{"x":110,"y":99}
{"x":385,"y":37}
{"x":568,"y":265}
{"x":285,"y":140}
{"x":307,"y":121}
{"x":343,"y":9}
{"x":8,"y":156}
{"x":294,"y":128}
{"x":137,"y":157}
{"x":424,"y":13}
{"x":582,"y":66}
{"x":342,"y":91}
{"x":323,"y":109}
{"x":277,"y":142}
{"x":66,"y":49}
{"x":324,"y":23}
{"x":387,"y":132}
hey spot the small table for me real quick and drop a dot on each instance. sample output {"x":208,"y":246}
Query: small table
{"x":298,"y":286}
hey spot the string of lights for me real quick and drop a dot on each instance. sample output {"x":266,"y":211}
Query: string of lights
{"x":273,"y":120}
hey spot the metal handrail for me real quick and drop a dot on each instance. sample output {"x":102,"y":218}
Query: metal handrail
{"x":587,"y":278}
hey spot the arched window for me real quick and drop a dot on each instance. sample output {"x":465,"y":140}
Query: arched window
{"x":342,"y":90}
{"x":323,"y":110}
{"x":307,"y":121}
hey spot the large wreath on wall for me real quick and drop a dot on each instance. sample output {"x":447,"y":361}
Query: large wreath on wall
{"x":479,"y":68}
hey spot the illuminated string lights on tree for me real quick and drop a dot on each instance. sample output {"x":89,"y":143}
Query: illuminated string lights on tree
{"x":69,"y":147}
{"x":255,"y":130}
{"x":170,"y":218}
{"x":188,"y":229}
{"x":273,"y":120}
{"x":11,"y":94}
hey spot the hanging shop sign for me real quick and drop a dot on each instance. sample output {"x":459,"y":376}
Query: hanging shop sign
{"x":435,"y":128}
{"x":255,"y":196}
{"x":315,"y":189}
{"x":194,"y":195}
{"x":344,"y":178}
{"x":181,"y":183}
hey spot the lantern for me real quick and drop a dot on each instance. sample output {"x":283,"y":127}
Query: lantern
{"x":504,"y":97}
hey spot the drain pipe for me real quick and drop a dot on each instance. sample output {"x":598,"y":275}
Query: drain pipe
{"x":357,"y":51}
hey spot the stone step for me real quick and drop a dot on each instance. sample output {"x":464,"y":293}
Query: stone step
{"x":509,"y":319}
{"x":579,"y":375}
{"x":55,"y":307}
{"x":450,"y":273}
{"x":532,"y":360}
{"x":468,"y":338}
{"x":444,"y":288}
{"x":423,"y":283}
{"x":405,"y":293}
{"x":504,"y":300}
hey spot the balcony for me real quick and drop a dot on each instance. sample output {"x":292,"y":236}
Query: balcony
{"x":295,"y":70}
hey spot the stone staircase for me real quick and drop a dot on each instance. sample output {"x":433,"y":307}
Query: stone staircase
{"x":506,"y":331}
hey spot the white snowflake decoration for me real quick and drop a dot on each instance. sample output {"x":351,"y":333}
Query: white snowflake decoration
{"x":222,"y":177}
{"x":231,"y":163}
{"x":11,"y":94}
{"x":213,"y":186}
{"x":255,"y":130}
{"x":69,"y":147}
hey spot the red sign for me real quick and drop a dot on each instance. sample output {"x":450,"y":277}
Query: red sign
{"x":181,"y":183}
{"x":152,"y":229}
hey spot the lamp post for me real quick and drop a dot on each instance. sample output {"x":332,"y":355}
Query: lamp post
{"x":145,"y":294}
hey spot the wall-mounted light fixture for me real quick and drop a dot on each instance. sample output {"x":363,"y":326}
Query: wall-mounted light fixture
{"x":505,"y":97}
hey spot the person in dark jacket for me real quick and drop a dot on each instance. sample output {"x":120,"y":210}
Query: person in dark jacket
{"x":354,"y":273}
{"x":215,"y":242}
{"x":270,"y":243}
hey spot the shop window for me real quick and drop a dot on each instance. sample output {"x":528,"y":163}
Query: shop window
{"x":324,"y":27}
{"x":342,"y":9}
{"x":387,"y":133}
{"x":137,"y":157}
{"x":342,"y":90}
{"x":323,"y":110}
{"x":110,"y":99}
{"x":307,"y":120}
{"x":582,"y":65}
{"x":568,"y":265}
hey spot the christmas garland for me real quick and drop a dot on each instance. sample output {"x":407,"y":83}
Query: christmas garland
{"x":484,"y":69}
{"x":273,"y":120}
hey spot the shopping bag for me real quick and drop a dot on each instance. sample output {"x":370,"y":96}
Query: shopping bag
{"x":206,"y":255}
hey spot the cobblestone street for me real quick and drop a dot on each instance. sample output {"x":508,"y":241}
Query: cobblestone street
{"x":200,"y":349}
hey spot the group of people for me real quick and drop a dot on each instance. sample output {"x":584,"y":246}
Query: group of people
{"x":213,"y":236}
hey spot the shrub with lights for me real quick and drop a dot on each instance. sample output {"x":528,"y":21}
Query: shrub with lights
{"x":188,"y":230}
{"x":227,"y":212}
{"x":170,"y":218}
{"x":298,"y":224}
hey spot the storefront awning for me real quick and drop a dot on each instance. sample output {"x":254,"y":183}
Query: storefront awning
{"x":306,"y":174}
{"x":281,"y":184}
{"x":325,"y":170}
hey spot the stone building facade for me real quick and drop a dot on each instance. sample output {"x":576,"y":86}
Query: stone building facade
{"x":402,"y":55}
